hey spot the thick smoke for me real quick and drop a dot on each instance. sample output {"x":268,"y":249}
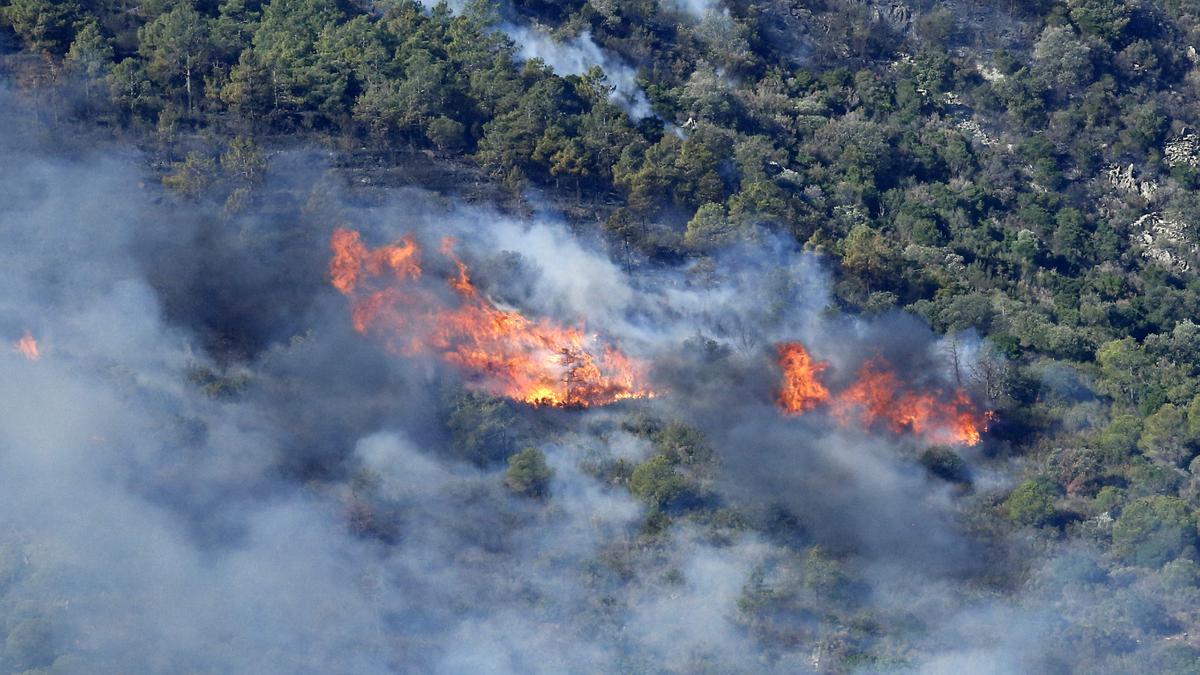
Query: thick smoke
{"x":209,"y":470}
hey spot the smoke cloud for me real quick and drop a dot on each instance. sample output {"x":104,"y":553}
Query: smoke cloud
{"x":209,"y":469}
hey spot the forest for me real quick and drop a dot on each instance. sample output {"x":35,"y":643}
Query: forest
{"x":638,"y":336}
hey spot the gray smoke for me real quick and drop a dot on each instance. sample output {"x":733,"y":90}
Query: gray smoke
{"x":209,"y":470}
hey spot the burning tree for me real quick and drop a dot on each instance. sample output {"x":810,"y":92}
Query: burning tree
{"x":879,"y":397}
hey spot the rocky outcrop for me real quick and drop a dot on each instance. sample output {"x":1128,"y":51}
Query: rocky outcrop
{"x":1166,"y":241}
{"x":1123,"y":178}
{"x":1183,"y":150}
{"x":896,"y":15}
{"x":972,"y":129}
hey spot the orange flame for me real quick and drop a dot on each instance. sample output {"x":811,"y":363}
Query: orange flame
{"x":878,"y":397}
{"x":27,"y":346}
{"x":501,"y":351}
{"x":802,"y":390}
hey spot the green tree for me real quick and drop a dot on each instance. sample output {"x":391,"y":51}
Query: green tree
{"x":176,"y":48}
{"x":657,"y":483}
{"x":873,"y":93}
{"x":761,"y":204}
{"x":647,"y":173}
{"x":358,"y":53}
{"x":1125,"y":370}
{"x":44,"y":25}
{"x":709,"y":228}
{"x":706,"y":96}
{"x":1070,"y":235}
{"x":1062,"y":60}
{"x":250,"y":89}
{"x":867,"y":254}
{"x":1025,"y":249}
{"x":1120,"y":436}
{"x":1144,"y":125}
{"x":284,"y":54}
{"x":244,"y":161}
{"x":1154,"y":530}
{"x":90,"y":56}
{"x":946,"y":464}
{"x":605,"y":131}
{"x":191,"y":177}
{"x":1193,"y":417}
{"x":753,"y":154}
{"x":481,"y":427}
{"x":130,"y":88}
{"x":232,"y":29}
{"x":446,"y":134}
{"x":933,"y":70}
{"x":528,"y":474}
{"x":1165,"y":436}
{"x":565,"y":156}
{"x":1032,"y":503}
{"x":1104,"y":18}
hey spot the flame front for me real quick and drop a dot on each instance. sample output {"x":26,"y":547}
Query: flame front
{"x":27,"y":346}
{"x":802,"y":389}
{"x":878,"y":397}
{"x":500,"y":351}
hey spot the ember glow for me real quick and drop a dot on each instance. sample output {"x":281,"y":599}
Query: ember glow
{"x":878,"y":397}
{"x":27,"y":346}
{"x":499,"y":351}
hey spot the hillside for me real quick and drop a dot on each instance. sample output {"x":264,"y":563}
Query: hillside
{"x":654,"y":336}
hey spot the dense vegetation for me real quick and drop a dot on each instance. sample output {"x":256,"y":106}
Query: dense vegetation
{"x":1038,"y":188}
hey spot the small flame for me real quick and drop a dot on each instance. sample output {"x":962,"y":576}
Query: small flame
{"x":27,"y":346}
{"x":501,"y":351}
{"x":878,"y":397}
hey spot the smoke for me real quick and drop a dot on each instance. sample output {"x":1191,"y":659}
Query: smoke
{"x":579,"y":55}
{"x":208,"y":469}
{"x":154,"y":522}
{"x":696,"y":8}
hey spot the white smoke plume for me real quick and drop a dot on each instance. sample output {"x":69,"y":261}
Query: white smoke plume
{"x":578,"y":55}
{"x":695,"y":8}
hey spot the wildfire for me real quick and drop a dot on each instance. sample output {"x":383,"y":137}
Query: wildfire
{"x":27,"y":346}
{"x":501,"y":351}
{"x":878,"y":397}
{"x":802,"y":390}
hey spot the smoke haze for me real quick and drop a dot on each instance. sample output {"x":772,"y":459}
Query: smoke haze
{"x":209,"y":470}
